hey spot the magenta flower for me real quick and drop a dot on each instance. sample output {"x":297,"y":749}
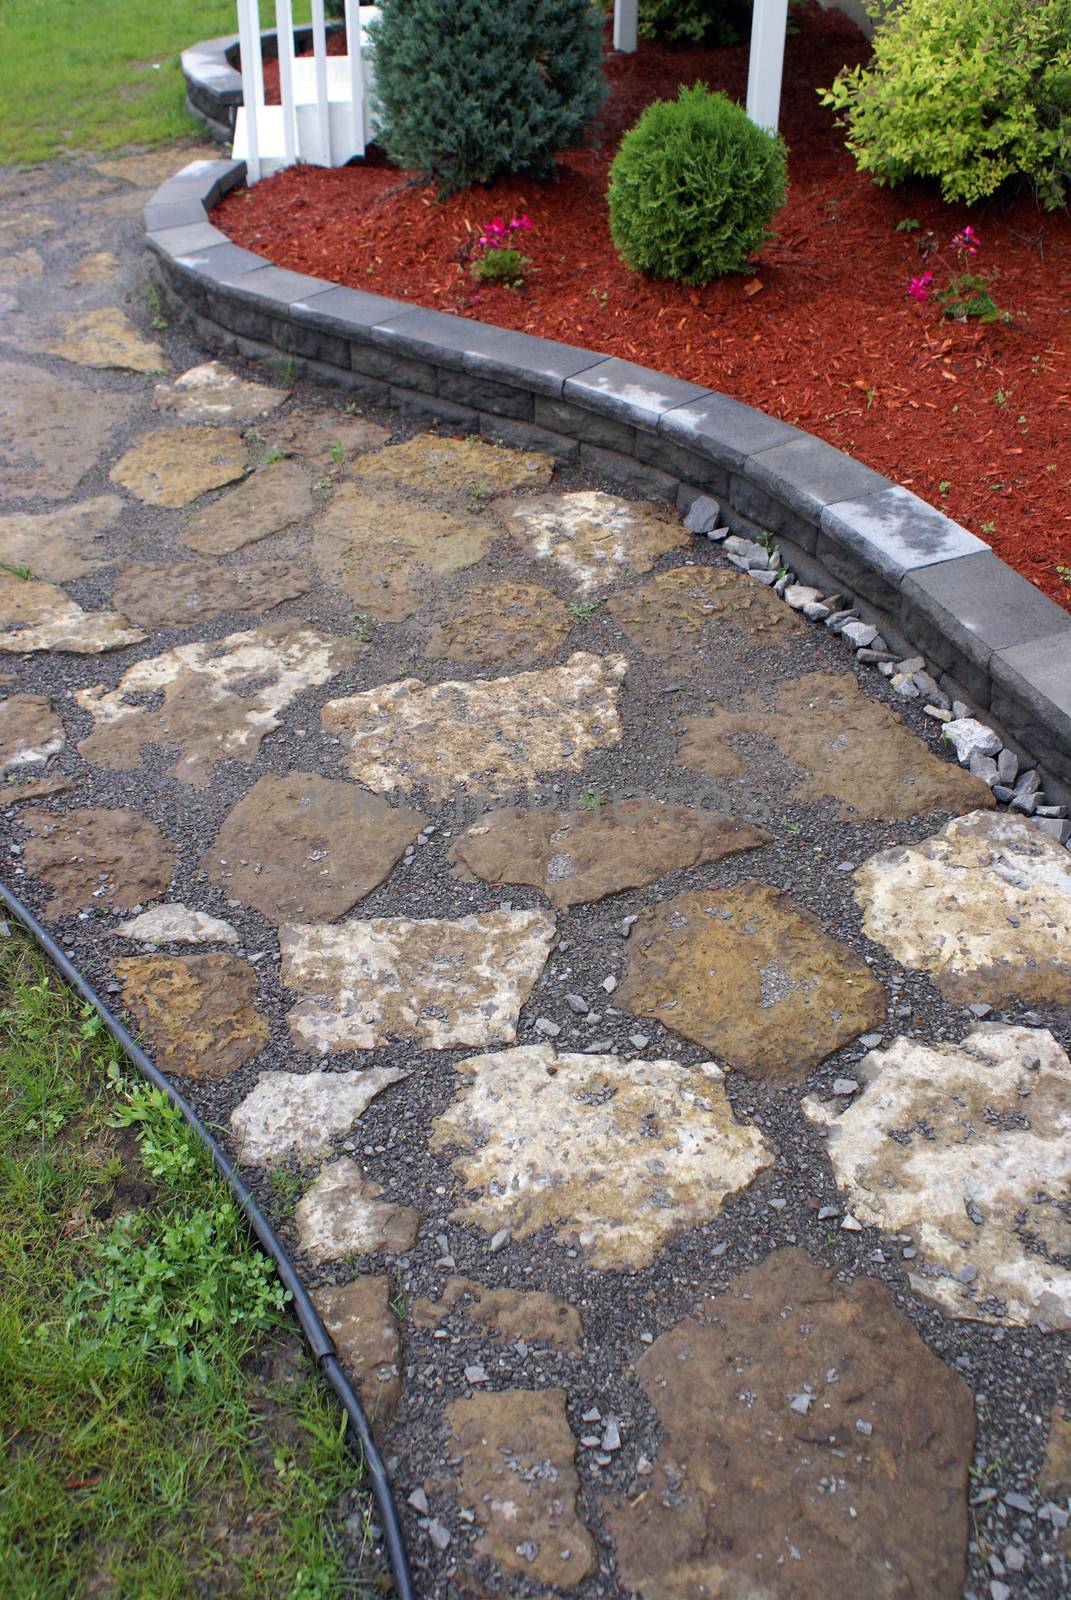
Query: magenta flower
{"x":919,"y":288}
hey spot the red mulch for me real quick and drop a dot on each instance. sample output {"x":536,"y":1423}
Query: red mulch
{"x":974,"y":418}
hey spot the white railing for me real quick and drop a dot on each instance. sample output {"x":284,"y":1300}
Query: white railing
{"x":325,"y":113}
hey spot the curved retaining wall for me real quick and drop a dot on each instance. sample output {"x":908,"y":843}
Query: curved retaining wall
{"x":213,"y":82}
{"x":931,"y":586}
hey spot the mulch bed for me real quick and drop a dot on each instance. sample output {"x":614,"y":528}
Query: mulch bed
{"x":973,"y":417}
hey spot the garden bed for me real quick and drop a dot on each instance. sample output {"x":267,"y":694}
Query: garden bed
{"x":972,"y":417}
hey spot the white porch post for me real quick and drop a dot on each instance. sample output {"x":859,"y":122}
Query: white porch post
{"x":625,"y":17}
{"x":768,"y":24}
{"x":252,"y":81}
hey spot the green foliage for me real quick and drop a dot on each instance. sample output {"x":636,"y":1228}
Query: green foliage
{"x":470,"y":91}
{"x":970,"y":295}
{"x":970,"y":92}
{"x":507,"y":266}
{"x":712,"y":22}
{"x":693,"y":188}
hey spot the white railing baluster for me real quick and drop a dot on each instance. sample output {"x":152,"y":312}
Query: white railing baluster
{"x":284,"y":32}
{"x":353,"y":46}
{"x":323,"y":112}
{"x":769,"y":22}
{"x":626,"y":13}
{"x":249,"y":37}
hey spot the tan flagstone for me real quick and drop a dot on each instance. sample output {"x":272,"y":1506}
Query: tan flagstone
{"x":271,"y":499}
{"x":495,"y":624}
{"x":151,"y":168}
{"x":172,"y":466}
{"x":211,"y":392}
{"x":615,"y":1156}
{"x":299,"y":1113}
{"x":344,"y":1214}
{"x":30,"y":731}
{"x":1054,"y":1478}
{"x":751,"y":976}
{"x":105,"y":338}
{"x":504,"y":1315}
{"x":984,"y":906}
{"x":577,"y":856}
{"x":98,"y":856}
{"x":100,"y":267}
{"x":18,"y":794}
{"x":306,"y":846}
{"x":456,"y":468}
{"x":385,"y":551}
{"x":53,"y":430}
{"x":196,"y":1014}
{"x":596,"y":537}
{"x":221,"y":698}
{"x":440,"y":983}
{"x":185,"y":592}
{"x":693,"y":617}
{"x":967,"y":1147}
{"x":21,"y":264}
{"x":849,"y":748}
{"x":492,"y":734}
{"x":19,"y":226}
{"x":517,"y":1472}
{"x":177,"y":924}
{"x":359,"y":1318}
{"x":320,"y":434}
{"x":35,"y":615}
{"x":59,"y":544}
{"x":812,"y":1445}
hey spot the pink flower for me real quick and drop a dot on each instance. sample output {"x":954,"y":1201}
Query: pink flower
{"x":966,"y":241}
{"x":919,"y":288}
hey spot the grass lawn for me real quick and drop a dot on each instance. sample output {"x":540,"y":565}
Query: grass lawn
{"x":162,"y":1432}
{"x":100,"y":74}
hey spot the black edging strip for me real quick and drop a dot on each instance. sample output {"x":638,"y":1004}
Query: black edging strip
{"x":316,"y":1335}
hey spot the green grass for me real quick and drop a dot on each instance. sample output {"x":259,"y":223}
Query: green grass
{"x":97,"y":75}
{"x":162,"y":1432}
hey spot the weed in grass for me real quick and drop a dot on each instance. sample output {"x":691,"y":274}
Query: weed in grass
{"x":16,"y":572}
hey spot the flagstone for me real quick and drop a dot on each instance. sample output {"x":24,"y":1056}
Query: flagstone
{"x":53,"y":430}
{"x":104,"y":338}
{"x":359,"y":1318}
{"x":19,"y":226}
{"x":211,"y":392}
{"x":984,"y":906}
{"x":300,"y":1113}
{"x":270,"y":500}
{"x":751,"y":976}
{"x":504,"y":1315}
{"x":320,"y":434}
{"x":812,"y":1445}
{"x":196,"y":1013}
{"x":455,"y":468}
{"x":21,"y":264}
{"x":967,"y":1147}
{"x":849,"y":748}
{"x":151,"y":168}
{"x":386,"y":552}
{"x":344,"y":1214}
{"x":35,"y":615}
{"x":97,"y":856}
{"x":220,"y":698}
{"x":577,"y":856}
{"x":58,"y":545}
{"x":596,"y":537}
{"x":18,"y":794}
{"x":306,"y":846}
{"x":100,"y":267}
{"x":614,"y":1156}
{"x":517,"y":1472}
{"x":185,"y":592}
{"x":1054,"y":1479}
{"x":692,"y":617}
{"x":439,"y":983}
{"x":30,"y":731}
{"x":177,"y":924}
{"x":172,"y":466}
{"x":492,"y":734}
{"x":495,"y":624}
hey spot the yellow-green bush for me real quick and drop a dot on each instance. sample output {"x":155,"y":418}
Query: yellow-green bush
{"x":969,"y":92}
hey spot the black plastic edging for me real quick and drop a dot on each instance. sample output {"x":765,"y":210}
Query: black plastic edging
{"x":316,"y":1335}
{"x":993,"y":639}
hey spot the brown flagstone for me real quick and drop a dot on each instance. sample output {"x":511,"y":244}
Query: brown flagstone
{"x":269,"y":501}
{"x":172,"y":466}
{"x":316,"y":433}
{"x":104,"y":338}
{"x":53,"y":430}
{"x":505,"y":1314}
{"x":1054,"y":1479}
{"x":21,"y":264}
{"x":501,"y":623}
{"x":197,"y":1013}
{"x":59,"y":544}
{"x":30,"y":731}
{"x":35,"y":615}
{"x":596,"y":537}
{"x":691,"y":617}
{"x":185,"y":592}
{"x":359,"y":1318}
{"x":344,"y":1214}
{"x":211,"y":392}
{"x":455,"y":468}
{"x":97,"y":856}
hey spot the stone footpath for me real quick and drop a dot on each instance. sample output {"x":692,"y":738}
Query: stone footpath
{"x":650,"y":1040}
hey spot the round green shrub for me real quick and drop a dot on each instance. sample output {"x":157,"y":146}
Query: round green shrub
{"x":472,"y":90}
{"x":970,"y":92}
{"x":693,"y":188}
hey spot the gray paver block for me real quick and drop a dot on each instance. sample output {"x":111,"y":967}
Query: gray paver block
{"x":724,"y":429}
{"x":630,"y":393}
{"x":893,"y":532}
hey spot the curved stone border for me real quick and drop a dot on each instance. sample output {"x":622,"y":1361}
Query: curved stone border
{"x":993,"y":639}
{"x":213,"y":82}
